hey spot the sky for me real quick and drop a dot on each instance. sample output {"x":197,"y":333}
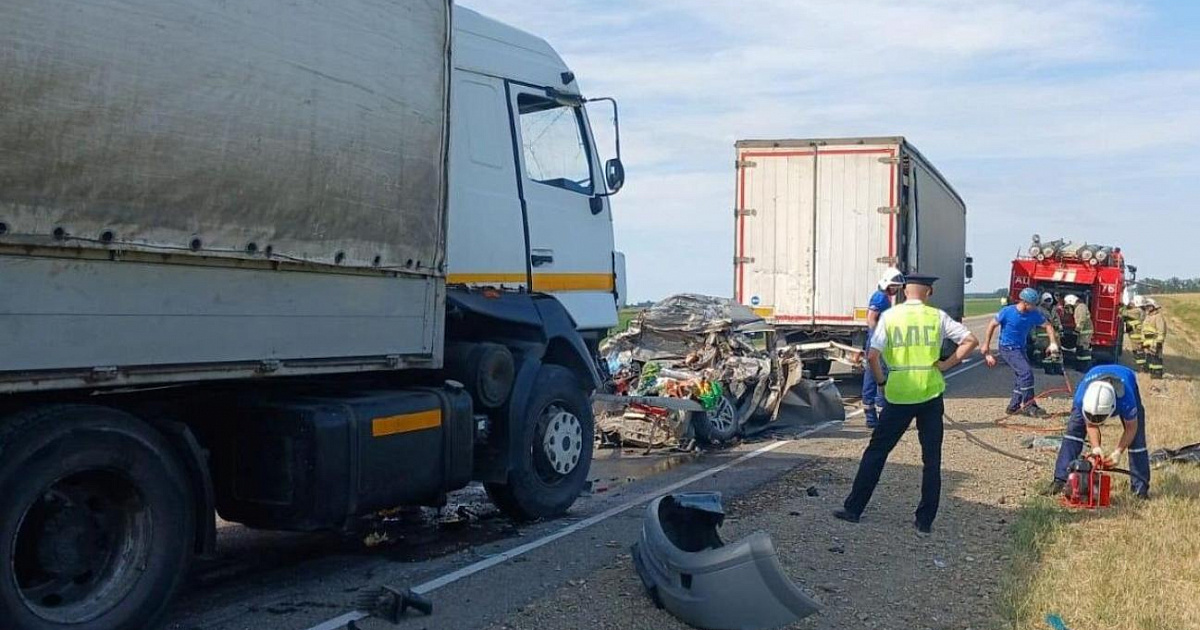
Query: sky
{"x":1067,"y":118}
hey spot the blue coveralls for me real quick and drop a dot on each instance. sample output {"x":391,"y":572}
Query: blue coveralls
{"x":1014,"y":335}
{"x":1129,"y":409}
{"x":872,"y":398}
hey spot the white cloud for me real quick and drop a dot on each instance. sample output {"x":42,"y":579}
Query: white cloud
{"x":1044,"y":115}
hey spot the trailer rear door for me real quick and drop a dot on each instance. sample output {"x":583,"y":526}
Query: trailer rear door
{"x":816,"y":227}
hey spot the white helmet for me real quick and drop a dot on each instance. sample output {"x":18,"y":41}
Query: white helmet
{"x":1047,"y":299}
{"x":891,"y":278}
{"x":1071,"y":300}
{"x":1150,"y":303}
{"x":1139,"y":301}
{"x":1099,"y":401}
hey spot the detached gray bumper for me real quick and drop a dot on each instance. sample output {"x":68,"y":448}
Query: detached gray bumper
{"x":688,"y":570}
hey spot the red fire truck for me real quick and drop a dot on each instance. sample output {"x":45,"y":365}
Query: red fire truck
{"x":1096,"y":274}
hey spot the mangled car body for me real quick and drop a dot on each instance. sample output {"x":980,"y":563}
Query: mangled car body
{"x":706,"y":366}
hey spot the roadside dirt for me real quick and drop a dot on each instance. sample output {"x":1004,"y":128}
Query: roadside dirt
{"x":878,"y":573}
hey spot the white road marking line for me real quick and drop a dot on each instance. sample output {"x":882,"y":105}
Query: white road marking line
{"x":337,"y":623}
{"x":968,"y":365}
{"x":471,"y":569}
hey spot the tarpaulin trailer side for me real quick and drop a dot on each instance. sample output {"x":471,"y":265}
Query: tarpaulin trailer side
{"x":194,"y":190}
{"x":818,"y":221}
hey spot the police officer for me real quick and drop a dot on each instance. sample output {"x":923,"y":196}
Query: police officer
{"x":1014,"y":323}
{"x":1154,"y":335}
{"x":909,"y":338}
{"x":1105,"y":391}
{"x":880,"y":302}
{"x":1083,"y":331}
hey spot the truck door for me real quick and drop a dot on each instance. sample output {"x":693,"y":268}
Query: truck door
{"x":569,"y":227}
{"x":486,"y":239}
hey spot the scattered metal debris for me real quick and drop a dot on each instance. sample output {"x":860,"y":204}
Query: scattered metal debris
{"x":1188,"y":454}
{"x":694,"y":366}
{"x":689,"y":571}
{"x":391,"y":604}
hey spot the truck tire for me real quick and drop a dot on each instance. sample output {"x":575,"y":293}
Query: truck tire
{"x":96,"y":523}
{"x":552,"y":465}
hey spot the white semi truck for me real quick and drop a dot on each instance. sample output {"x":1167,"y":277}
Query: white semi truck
{"x":286,"y":262}
{"x":818,"y":221}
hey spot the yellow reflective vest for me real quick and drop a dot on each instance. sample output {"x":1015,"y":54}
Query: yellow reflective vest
{"x":914,"y":345}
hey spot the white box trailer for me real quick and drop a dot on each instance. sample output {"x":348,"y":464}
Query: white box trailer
{"x":818,"y":221}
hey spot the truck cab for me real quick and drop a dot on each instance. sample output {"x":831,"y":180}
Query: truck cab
{"x":529,"y":207}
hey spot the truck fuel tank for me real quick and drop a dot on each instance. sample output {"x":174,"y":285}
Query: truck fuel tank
{"x":305,"y":463}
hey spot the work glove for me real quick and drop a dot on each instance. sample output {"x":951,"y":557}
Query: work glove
{"x":1116,"y":456}
{"x":1097,"y":451}
{"x":1052,"y":348}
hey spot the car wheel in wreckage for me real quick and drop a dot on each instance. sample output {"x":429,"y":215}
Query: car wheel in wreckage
{"x":719,"y":424}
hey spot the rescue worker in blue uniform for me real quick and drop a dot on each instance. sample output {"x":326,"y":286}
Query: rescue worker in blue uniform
{"x":1106,"y":391}
{"x":909,"y":337}
{"x":1014,"y":323}
{"x":881,"y":301}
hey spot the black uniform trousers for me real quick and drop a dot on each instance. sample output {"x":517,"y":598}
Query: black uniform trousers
{"x":893,"y":422}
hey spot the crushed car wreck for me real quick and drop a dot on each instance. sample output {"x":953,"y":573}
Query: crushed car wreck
{"x":690,"y":572}
{"x":702,"y":367}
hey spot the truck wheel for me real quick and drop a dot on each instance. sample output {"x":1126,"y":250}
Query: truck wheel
{"x":719,"y":424}
{"x":96,"y":524}
{"x":556,"y":450}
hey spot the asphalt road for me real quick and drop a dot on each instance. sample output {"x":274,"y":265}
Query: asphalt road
{"x":477,"y":568}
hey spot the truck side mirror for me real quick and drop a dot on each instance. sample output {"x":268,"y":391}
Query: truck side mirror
{"x":614,"y":170}
{"x":614,"y":174}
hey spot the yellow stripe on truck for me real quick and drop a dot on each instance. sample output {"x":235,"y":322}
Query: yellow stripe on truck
{"x":551,"y":282}
{"x":547,"y":282}
{"x":486,"y":278}
{"x":406,"y":423}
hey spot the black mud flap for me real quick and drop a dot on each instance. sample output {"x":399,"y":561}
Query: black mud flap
{"x":690,"y":572}
{"x":811,"y":402}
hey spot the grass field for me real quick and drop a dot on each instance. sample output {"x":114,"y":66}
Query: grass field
{"x":1137,"y":564}
{"x":624,"y":316}
{"x":980,"y":306}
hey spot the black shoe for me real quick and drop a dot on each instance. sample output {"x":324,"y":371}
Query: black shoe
{"x":1055,"y":487}
{"x":1034,"y":411}
{"x":846,"y":515}
{"x":923,"y":528}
